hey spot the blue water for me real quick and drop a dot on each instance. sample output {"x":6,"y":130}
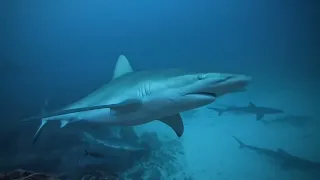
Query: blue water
{"x":63,"y":50}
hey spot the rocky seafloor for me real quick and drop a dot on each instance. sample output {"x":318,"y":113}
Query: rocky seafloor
{"x":161,"y":160}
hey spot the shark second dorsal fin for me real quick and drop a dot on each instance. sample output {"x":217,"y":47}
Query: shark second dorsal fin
{"x":175,"y":122}
{"x":122,"y":67}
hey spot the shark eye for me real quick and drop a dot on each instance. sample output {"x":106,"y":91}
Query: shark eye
{"x":201,"y":77}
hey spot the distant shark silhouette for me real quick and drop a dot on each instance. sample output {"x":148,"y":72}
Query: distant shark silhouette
{"x":135,"y":98}
{"x":259,"y":111}
{"x":286,"y":160}
{"x":293,"y":120}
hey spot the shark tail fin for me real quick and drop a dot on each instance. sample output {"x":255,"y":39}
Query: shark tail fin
{"x":44,"y":112}
{"x":43,"y":122}
{"x":219,"y":111}
{"x":37,"y":134}
{"x":241,"y":144}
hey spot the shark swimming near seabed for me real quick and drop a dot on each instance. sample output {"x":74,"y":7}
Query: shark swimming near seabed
{"x":285,"y":159}
{"x":139,"y":97}
{"x":251,"y":108}
{"x":115,"y":143}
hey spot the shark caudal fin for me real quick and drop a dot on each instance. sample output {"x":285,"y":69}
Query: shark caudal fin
{"x":38,"y":132}
{"x":219,"y":111}
{"x":123,"y":107}
{"x":43,"y":122}
{"x":241,"y":144}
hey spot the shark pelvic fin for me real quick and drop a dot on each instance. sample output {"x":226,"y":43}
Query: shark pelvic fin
{"x":259,"y":117}
{"x":251,"y":104}
{"x":122,"y":67}
{"x":175,"y":122}
{"x":37,"y":134}
{"x":63,"y":123}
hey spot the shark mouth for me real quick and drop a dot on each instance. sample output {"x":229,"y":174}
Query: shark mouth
{"x":208,"y":94}
{"x":204,"y":94}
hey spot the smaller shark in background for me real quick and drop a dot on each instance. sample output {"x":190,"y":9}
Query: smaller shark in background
{"x":287,"y":160}
{"x":93,"y":154}
{"x":115,"y":143}
{"x":293,"y":120}
{"x":259,"y":111}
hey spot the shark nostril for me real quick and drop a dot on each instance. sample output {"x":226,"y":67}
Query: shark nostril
{"x":201,"y":77}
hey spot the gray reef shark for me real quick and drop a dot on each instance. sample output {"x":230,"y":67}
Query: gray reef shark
{"x":259,"y":111}
{"x":286,"y":160}
{"x":115,"y":143}
{"x":293,"y":120}
{"x":135,"y":98}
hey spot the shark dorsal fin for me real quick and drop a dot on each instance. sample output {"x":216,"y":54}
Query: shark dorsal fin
{"x":122,"y":67}
{"x":251,"y":104}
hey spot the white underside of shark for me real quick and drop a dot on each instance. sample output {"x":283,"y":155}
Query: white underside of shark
{"x":135,"y":98}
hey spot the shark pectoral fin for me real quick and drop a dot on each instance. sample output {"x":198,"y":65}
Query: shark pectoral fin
{"x":251,"y":104}
{"x":122,"y":67}
{"x":175,"y":122}
{"x":37,"y":134}
{"x":63,"y":123}
{"x":128,"y":105}
{"x":259,"y":117}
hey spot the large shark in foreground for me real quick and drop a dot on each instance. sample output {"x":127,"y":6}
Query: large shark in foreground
{"x":135,"y":98}
{"x":286,"y":160}
{"x":259,"y":111}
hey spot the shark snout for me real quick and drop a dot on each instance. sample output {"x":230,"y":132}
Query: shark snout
{"x":233,"y":83}
{"x":241,"y":80}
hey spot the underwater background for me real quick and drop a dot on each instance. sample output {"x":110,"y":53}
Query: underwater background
{"x":56,"y":52}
